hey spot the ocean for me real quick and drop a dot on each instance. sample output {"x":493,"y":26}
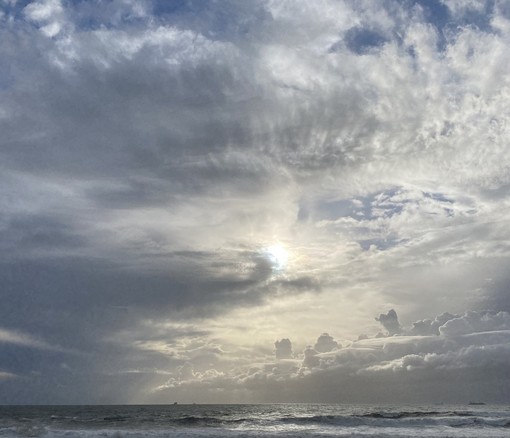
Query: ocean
{"x":262,"y":420}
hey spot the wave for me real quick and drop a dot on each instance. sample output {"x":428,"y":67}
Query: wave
{"x":410,"y":419}
{"x":192,"y":420}
{"x":418,"y":414}
{"x":402,"y":419}
{"x":116,"y":418}
{"x":255,"y":421}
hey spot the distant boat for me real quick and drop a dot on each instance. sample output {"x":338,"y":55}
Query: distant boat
{"x":476,"y":403}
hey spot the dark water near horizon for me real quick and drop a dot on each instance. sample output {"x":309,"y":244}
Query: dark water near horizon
{"x":264,"y":420}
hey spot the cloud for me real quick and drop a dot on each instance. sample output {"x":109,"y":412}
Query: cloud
{"x":435,"y":365}
{"x":325,"y":343}
{"x":473,"y":322}
{"x":186,"y":371}
{"x":310,"y":360}
{"x":454,"y":346}
{"x":4,"y":375}
{"x":283,"y":349}
{"x":151,"y":151}
{"x":390,"y":322}
{"x":428,"y":327}
{"x":49,"y":14}
{"x":13,"y":337}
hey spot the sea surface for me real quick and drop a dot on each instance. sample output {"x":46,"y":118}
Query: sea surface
{"x":264,"y":420}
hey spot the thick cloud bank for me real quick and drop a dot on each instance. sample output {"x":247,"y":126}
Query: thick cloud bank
{"x":467,"y":361}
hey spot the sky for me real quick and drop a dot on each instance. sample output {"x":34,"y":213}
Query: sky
{"x":264,"y":201}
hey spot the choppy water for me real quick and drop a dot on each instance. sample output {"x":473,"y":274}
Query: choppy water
{"x":270,"y":420}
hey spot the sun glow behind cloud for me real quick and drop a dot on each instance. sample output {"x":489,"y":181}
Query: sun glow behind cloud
{"x":277,"y":256}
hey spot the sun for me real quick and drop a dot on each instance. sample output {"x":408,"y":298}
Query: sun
{"x":277,"y":256}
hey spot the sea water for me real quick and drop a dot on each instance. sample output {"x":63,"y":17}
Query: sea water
{"x":263,"y":420}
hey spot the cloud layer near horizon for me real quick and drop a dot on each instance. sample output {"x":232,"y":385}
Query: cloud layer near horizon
{"x":153,"y":153}
{"x":467,"y":358}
